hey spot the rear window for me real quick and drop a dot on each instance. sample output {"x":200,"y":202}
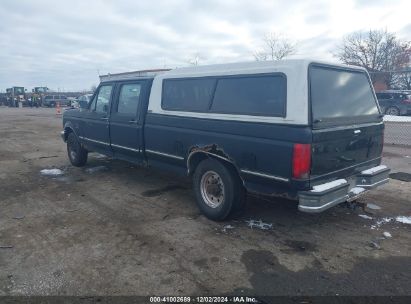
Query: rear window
{"x":341,"y":96}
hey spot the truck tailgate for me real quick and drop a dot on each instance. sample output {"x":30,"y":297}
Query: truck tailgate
{"x":341,"y":152}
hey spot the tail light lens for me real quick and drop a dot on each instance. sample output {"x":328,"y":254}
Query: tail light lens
{"x":406,"y":101}
{"x":301,"y":161}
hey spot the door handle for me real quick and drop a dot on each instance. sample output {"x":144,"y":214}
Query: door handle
{"x":133,"y":121}
{"x":104,"y":118}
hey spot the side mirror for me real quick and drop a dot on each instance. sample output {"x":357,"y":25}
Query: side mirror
{"x":83,"y":104}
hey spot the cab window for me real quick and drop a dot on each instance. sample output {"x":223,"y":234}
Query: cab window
{"x":102,"y":99}
{"x":129,"y":98}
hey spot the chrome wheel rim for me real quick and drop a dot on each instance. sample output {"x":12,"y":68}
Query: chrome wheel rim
{"x":212,"y":189}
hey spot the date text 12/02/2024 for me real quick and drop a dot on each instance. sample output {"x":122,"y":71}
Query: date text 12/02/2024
{"x":199,"y":299}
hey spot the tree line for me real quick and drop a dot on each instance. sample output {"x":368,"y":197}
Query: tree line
{"x":386,"y":57}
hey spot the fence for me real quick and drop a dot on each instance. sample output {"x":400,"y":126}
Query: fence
{"x":397,"y":130}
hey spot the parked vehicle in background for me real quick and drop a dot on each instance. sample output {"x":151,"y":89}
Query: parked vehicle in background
{"x":83,"y":100}
{"x":52,"y":100}
{"x":38,"y":94}
{"x":308,"y":131}
{"x":16,"y":95}
{"x":3,"y":99}
{"x":395,"y":102}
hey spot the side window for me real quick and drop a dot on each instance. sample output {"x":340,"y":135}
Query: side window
{"x":103,"y":99}
{"x":93,"y":103}
{"x":255,"y":95}
{"x":192,"y":94}
{"x":129,"y":98}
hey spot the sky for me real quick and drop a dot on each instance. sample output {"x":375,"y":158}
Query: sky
{"x":65,"y":45}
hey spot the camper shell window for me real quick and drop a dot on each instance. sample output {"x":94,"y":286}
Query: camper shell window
{"x":262,"y":94}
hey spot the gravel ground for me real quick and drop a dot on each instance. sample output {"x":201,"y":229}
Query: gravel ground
{"x":112,"y":228}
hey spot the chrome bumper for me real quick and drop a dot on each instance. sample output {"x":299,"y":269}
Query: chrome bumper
{"x":318,"y":201}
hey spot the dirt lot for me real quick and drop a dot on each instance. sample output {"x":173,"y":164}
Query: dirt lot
{"x":125,"y":230}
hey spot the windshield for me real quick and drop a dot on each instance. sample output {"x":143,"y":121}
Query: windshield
{"x":341,"y":96}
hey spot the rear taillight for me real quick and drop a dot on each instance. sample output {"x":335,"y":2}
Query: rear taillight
{"x":406,"y":101}
{"x":301,"y":161}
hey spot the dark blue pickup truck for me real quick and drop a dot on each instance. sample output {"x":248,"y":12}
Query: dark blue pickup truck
{"x":308,"y":131}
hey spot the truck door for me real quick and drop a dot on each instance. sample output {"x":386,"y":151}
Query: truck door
{"x":96,"y":131}
{"x":125,"y":122}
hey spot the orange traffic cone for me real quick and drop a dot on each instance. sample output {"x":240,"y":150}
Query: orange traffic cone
{"x":58,"y":109}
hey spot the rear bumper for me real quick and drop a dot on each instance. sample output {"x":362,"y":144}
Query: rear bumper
{"x":329,"y":195}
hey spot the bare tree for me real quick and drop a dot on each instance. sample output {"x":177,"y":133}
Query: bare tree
{"x":275,"y":47}
{"x":380,"y":52}
{"x":195,"y":59}
{"x":93,"y":88}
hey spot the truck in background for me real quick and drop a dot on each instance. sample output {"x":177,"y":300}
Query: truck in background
{"x":15,"y":95}
{"x":37,"y":95}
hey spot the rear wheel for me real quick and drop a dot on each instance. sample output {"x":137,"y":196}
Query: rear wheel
{"x":76,"y":153}
{"x":217,"y":189}
{"x":393,"y":111}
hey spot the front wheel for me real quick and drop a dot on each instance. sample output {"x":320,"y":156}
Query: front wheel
{"x":76,"y":153}
{"x":216,"y":189}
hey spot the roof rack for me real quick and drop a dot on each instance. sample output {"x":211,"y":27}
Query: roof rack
{"x":132,"y":75}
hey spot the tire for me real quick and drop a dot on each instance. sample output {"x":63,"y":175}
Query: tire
{"x":393,"y":111}
{"x":217,"y":190}
{"x":76,"y":153}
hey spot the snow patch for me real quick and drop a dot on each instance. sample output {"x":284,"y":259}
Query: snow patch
{"x":373,"y":206}
{"x":96,"y":169}
{"x":381,"y":222}
{"x":373,"y":170}
{"x":330,"y":185}
{"x":397,"y":118}
{"x":51,"y":172}
{"x":403,"y":219}
{"x":387,"y":234}
{"x":357,"y":190}
{"x":259,"y":224}
{"x":227,"y":227}
{"x":364,"y":216}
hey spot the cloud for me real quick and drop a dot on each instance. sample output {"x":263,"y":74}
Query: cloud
{"x":65,"y":44}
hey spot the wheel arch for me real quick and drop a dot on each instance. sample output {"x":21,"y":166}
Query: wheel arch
{"x":198,"y":154}
{"x":68,"y":128}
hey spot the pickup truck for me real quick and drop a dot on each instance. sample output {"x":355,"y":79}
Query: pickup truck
{"x":305,"y":130}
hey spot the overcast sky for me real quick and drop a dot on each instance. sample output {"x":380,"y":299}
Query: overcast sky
{"x":65,"y":44}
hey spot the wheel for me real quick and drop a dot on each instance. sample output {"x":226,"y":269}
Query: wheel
{"x":217,"y":190}
{"x":393,"y":111}
{"x":76,"y":153}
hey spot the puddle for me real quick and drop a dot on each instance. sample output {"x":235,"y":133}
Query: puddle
{"x":160,"y":191}
{"x":300,"y":246}
{"x":402,"y":176}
